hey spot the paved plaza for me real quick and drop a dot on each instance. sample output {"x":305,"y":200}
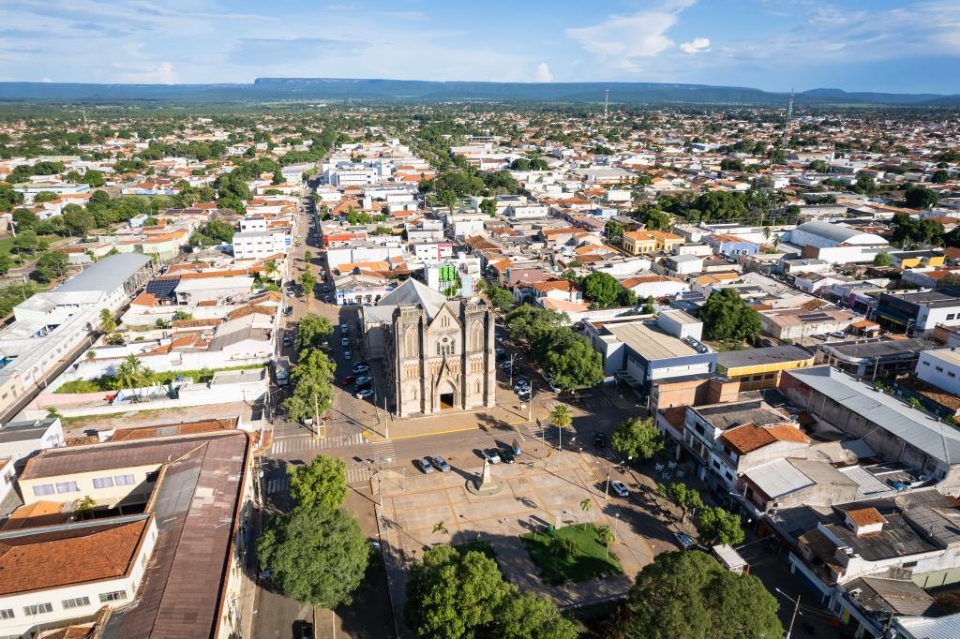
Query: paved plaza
{"x":545,"y":487}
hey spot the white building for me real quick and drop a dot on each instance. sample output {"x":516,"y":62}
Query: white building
{"x":260,"y":244}
{"x":941,"y":368}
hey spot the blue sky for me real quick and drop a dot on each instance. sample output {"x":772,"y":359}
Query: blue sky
{"x":872,"y":45}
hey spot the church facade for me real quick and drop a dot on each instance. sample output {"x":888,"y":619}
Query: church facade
{"x":437,"y":354}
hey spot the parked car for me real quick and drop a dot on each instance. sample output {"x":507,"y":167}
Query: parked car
{"x":287,"y":340}
{"x":347,"y":380}
{"x":492,"y":455}
{"x":507,"y":456}
{"x":424,"y":465}
{"x":521,"y":385}
{"x":344,"y":328}
{"x":600,"y":440}
{"x":289,"y":310}
{"x":347,"y":355}
{"x":441,"y":464}
{"x":345,"y":341}
{"x":361,"y":368}
{"x":362,"y":387}
{"x":364,"y":379}
{"x":326,"y":298}
{"x":619,"y":488}
{"x":499,"y":353}
{"x":365,"y":393}
{"x":684,"y":540}
{"x":506,"y":366}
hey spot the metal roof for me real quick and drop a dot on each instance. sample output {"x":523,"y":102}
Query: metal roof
{"x":915,"y":427}
{"x":107,"y":275}
{"x":413,"y":292}
{"x":926,"y":628}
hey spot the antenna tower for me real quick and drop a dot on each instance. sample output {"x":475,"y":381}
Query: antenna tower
{"x":606,"y":104}
{"x":786,"y":125}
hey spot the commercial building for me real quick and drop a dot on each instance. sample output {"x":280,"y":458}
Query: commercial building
{"x":759,"y":368}
{"x":941,"y":368}
{"x":921,"y":311}
{"x":836,"y":244}
{"x":798,"y":323}
{"x":258,"y":245}
{"x":876,"y":358}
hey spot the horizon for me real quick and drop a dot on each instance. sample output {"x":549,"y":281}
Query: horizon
{"x":882,"y":46}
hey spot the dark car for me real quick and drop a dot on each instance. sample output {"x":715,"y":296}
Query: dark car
{"x":507,"y":456}
{"x":361,"y":368}
{"x":600,"y":440}
{"x":346,"y":380}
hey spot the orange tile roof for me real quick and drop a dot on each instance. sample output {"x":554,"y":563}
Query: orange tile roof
{"x":866,"y":516}
{"x":39,"y":513}
{"x":80,"y":554}
{"x":747,"y":438}
{"x":165,"y":430}
{"x":786,"y":433}
{"x":145,"y":299}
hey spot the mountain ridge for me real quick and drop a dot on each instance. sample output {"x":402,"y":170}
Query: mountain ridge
{"x":372,"y":89}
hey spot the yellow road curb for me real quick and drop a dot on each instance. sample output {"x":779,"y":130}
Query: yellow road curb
{"x":375,"y":437}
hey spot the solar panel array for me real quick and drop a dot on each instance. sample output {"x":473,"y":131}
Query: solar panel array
{"x":162,"y":288}
{"x":815,"y":317}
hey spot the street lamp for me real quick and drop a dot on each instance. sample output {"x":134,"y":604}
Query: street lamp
{"x":606,"y":488}
{"x":796,"y":611}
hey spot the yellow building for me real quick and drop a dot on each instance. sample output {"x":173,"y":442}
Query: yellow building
{"x":759,"y":368}
{"x":917,"y":259}
{"x":665,"y":241}
{"x":639,"y":242}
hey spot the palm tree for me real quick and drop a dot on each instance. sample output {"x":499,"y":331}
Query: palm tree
{"x":132,"y":373}
{"x":270,"y":269}
{"x":776,"y":241}
{"x":766,"y":233}
{"x":585,"y":507}
{"x":107,"y":323}
{"x":561,"y":418}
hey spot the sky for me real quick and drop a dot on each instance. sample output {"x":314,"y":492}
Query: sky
{"x":909,"y":46}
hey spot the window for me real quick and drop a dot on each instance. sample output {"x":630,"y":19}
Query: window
{"x":910,"y":564}
{"x":78,"y":602}
{"x":951,"y":374}
{"x":38,"y":609}
{"x":6,"y":614}
{"x":926,"y":363}
{"x":153,"y":475}
{"x":67,"y":487}
{"x":43,"y":490}
{"x":939,"y":369}
{"x":118,"y":595}
{"x":699,"y":429}
{"x":952,"y":316}
{"x":124,"y":480}
{"x":103,"y":482}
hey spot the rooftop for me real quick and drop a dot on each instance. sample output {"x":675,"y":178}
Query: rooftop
{"x":650,"y":342}
{"x":107,"y":275}
{"x":725,"y":416}
{"x":946,"y":355}
{"x":763,"y":356}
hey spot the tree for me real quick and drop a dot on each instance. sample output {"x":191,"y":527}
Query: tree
{"x":527,"y":323}
{"x":882,"y":259}
{"x":308,"y":281}
{"x":51,"y":266}
{"x":488,"y":206}
{"x":572,"y":361}
{"x":94,"y":178}
{"x":691,"y":595}
{"x":182,"y":316}
{"x":45,"y":196}
{"x":25,"y":220}
{"x":917,"y":197}
{"x":940,"y":177}
{"x":520,"y":164}
{"x":322,"y":482}
{"x":561,"y":418}
{"x":501,"y":298}
{"x":726,"y":315}
{"x":602,"y":289}
{"x":585,"y":507}
{"x":818,"y":166}
{"x":77,"y":220}
{"x":6,"y":263}
{"x":685,"y":497}
{"x":613,"y":230}
{"x":717,"y":526}
{"x":527,"y":616}
{"x":107,"y":323}
{"x":27,"y":241}
{"x":656,"y":220}
{"x":452,"y":595}
{"x":448,"y":199}
{"x":316,"y":555}
{"x":132,"y":374}
{"x":219,"y":230}
{"x":313,"y":393}
{"x":307,"y":256}
{"x":638,"y":438}
{"x":277,"y":177}
{"x":312,"y":331}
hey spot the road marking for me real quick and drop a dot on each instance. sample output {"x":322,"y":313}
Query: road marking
{"x":359,"y":475}
{"x":277,"y":485}
{"x":308,"y":442}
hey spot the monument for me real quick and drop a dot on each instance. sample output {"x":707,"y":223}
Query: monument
{"x":486,"y":484}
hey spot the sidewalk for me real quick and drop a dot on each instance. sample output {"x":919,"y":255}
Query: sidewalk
{"x":451,"y":421}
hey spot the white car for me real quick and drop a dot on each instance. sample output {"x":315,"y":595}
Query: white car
{"x":365,"y":393}
{"x":619,"y":488}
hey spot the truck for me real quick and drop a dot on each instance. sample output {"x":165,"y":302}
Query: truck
{"x":281,"y":368}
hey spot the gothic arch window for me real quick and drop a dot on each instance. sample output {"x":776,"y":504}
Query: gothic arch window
{"x":446,"y":346}
{"x":476,"y":387}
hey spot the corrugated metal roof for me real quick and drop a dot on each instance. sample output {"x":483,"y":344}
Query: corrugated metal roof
{"x":925,"y":433}
{"x":925,"y":628}
{"x":107,"y":275}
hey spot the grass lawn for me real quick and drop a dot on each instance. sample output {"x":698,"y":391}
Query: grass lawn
{"x":588,"y":557}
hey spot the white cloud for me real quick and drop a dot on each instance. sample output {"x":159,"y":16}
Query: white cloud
{"x":639,"y":35}
{"x":697,"y":45}
{"x":543,"y":73}
{"x":46,"y":80}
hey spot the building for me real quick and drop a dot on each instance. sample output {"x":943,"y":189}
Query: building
{"x":641,"y":352}
{"x":52,"y":327}
{"x":639,"y":242}
{"x":941,"y":368}
{"x":875,"y":358}
{"x":799,"y":323}
{"x":759,"y":368}
{"x":921,"y":311}
{"x":836,"y":244}
{"x":19,"y":440}
{"x":172,"y":566}
{"x":437,"y":354}
{"x":731,"y":245}
{"x":257,"y":245}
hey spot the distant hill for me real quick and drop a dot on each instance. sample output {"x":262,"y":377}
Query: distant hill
{"x":300,"y":89}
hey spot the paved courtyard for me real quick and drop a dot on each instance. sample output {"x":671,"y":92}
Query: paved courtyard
{"x":545,"y":487}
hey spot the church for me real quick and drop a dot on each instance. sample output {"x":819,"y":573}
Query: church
{"x":437,"y":354}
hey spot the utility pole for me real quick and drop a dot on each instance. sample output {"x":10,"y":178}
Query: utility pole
{"x":606,"y":487}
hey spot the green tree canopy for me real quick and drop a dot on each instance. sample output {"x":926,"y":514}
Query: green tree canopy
{"x":322,"y":482}
{"x":690,"y":595}
{"x":918,"y":197}
{"x":51,"y":266}
{"x":77,"y":220}
{"x":313,"y":393}
{"x":316,"y":555}
{"x":882,"y":259}
{"x":572,"y":361}
{"x":488,"y":206}
{"x":940,"y":177}
{"x":613,"y":230}
{"x":107,"y":322}
{"x":602,"y":289}
{"x":726,"y":315}
{"x":501,"y":297}
{"x":312,"y":331}
{"x":717,"y":526}
{"x":458,"y":596}
{"x":685,"y":497}
{"x":24,"y":219}
{"x":638,"y":438}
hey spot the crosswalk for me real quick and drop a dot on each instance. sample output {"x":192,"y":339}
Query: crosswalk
{"x":355,"y":476}
{"x":383,"y":452}
{"x":296,"y":444}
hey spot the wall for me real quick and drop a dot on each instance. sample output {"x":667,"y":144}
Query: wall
{"x":136,"y":492}
{"x":941,"y":374}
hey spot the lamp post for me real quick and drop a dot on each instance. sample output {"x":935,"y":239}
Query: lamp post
{"x":606,"y":487}
{"x":796,"y":611}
